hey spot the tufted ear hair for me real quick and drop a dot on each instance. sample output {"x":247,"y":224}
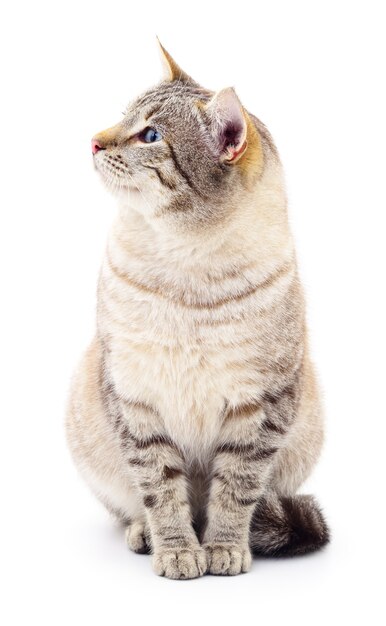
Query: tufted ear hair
{"x":172,"y":71}
{"x":228,"y":125}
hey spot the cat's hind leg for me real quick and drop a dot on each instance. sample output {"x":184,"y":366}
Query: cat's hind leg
{"x":285,"y":523}
{"x":138,"y":537}
{"x":97,"y":453}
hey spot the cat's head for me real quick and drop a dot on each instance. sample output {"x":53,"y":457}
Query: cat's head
{"x":183,"y":151}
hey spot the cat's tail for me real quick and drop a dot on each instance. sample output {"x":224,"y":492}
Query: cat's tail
{"x":287,"y":526}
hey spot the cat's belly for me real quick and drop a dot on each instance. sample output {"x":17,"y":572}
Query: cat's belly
{"x":189,"y":384}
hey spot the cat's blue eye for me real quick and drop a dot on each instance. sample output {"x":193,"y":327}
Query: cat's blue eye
{"x":150,"y":135}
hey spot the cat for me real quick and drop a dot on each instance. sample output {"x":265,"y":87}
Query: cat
{"x":195,"y":413}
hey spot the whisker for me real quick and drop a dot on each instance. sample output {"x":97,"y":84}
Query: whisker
{"x":141,"y":192}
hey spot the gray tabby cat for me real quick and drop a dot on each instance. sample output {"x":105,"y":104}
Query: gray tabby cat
{"x":195,"y":415}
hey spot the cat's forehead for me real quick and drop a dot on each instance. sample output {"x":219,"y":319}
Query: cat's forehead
{"x":167,"y":97}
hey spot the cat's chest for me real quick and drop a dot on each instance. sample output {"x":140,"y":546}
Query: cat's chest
{"x":188,"y":379}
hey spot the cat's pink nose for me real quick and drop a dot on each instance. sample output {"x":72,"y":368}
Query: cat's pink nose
{"x":95,"y":146}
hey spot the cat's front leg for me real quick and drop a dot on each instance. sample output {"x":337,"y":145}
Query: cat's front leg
{"x":242,"y":464}
{"x":158,"y":467}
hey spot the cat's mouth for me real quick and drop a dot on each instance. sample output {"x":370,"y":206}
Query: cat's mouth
{"x":113,"y":170}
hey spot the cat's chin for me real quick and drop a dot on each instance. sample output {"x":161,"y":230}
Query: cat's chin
{"x":117,"y":189}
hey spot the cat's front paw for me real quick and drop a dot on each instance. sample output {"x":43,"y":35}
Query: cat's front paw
{"x":227,"y":559}
{"x":180,"y":563}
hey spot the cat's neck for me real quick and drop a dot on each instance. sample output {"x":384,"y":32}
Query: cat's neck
{"x":258,"y":228}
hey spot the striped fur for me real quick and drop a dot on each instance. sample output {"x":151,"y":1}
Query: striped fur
{"x":195,"y":414}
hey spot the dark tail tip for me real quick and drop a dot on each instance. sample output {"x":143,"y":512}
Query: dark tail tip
{"x":288,"y":526}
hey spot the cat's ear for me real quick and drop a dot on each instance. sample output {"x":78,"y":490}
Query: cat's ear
{"x":172,"y":71}
{"x":228,"y":125}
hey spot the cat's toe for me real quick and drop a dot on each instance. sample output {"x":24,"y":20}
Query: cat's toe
{"x":228,"y":560}
{"x":180,"y":563}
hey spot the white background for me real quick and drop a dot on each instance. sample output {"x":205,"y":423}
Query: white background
{"x":314,"y":73}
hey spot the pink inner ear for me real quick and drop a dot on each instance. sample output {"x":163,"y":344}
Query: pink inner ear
{"x":234,"y":153}
{"x":231,"y":136}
